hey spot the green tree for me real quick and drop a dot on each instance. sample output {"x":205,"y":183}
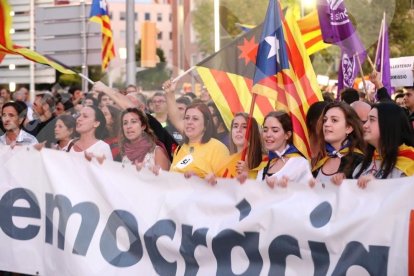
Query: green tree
{"x":152,"y":78}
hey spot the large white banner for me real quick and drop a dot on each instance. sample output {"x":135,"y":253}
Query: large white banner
{"x":63,"y":215}
{"x":402,"y":71}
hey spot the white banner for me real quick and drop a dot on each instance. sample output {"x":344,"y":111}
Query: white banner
{"x":63,"y":215}
{"x":402,"y":71}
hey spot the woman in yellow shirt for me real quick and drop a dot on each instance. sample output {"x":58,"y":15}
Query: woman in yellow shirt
{"x":200,"y":154}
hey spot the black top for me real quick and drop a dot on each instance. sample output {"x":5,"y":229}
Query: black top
{"x":43,"y":131}
{"x":348,"y":164}
{"x":162,"y":135}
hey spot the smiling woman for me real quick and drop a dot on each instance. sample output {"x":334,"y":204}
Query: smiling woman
{"x":200,"y":154}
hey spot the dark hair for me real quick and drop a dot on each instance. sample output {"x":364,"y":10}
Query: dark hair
{"x":183,"y":100}
{"x":285,"y":121}
{"x":21,"y":109}
{"x":313,"y":115}
{"x":90,"y":97}
{"x":349,"y":95}
{"x":73,"y":89}
{"x":115,"y":114}
{"x":356,"y":137}
{"x":217,"y":113}
{"x":101,"y":132}
{"x":399,"y":95}
{"x":394,"y":130}
{"x":208,"y":122}
{"x":254,"y":150}
{"x":69,"y":122}
{"x":144,"y":122}
{"x":100,"y":96}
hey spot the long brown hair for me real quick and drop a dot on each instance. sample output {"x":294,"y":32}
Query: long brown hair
{"x":254,"y":149}
{"x":149,"y":133}
{"x":355,"y":138}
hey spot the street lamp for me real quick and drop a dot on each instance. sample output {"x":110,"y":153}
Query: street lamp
{"x":216,"y":25}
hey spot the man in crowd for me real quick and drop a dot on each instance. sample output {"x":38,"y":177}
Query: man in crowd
{"x":43,"y":126}
{"x":409,"y":102}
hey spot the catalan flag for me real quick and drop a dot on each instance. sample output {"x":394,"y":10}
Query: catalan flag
{"x":99,"y":14}
{"x":309,"y":29}
{"x":228,"y":76}
{"x":8,"y":47}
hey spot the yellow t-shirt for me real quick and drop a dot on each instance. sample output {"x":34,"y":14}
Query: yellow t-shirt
{"x":229,"y":168}
{"x":201,"y":159}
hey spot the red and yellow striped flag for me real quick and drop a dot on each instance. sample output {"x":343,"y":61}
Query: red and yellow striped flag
{"x":7,"y":46}
{"x":228,"y":77}
{"x":99,"y":14}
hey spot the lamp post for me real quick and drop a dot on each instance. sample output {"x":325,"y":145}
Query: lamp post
{"x":216,"y":25}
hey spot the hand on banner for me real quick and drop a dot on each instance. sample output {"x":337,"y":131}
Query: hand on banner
{"x":40,"y":146}
{"x":242,"y":177}
{"x":274,"y":181}
{"x":241,"y":167}
{"x":211,"y":179}
{"x":338,"y":178}
{"x":138,"y":165}
{"x":312,"y":182}
{"x":90,"y":155}
{"x":363,"y":180}
{"x":189,"y":174}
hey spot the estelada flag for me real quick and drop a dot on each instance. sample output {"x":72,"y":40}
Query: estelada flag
{"x":8,"y":47}
{"x":228,"y":76}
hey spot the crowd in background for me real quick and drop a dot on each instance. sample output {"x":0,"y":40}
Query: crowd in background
{"x":363,"y":135}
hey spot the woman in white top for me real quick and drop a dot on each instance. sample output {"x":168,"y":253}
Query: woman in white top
{"x":13,"y":116}
{"x":286,"y":163}
{"x":64,"y":132}
{"x":138,"y":142}
{"x":91,"y":128}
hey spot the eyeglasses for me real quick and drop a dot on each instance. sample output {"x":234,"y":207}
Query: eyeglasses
{"x":158,"y":102}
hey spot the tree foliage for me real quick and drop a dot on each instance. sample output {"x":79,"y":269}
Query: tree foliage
{"x":151,"y":78}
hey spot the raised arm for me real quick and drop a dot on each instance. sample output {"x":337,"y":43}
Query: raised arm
{"x":121,"y":100}
{"x":173,"y":113}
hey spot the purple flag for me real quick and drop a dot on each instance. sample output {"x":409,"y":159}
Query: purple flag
{"x":337,"y":28}
{"x":382,"y":57}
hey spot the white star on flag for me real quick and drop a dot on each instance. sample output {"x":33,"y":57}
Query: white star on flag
{"x":274,"y":47}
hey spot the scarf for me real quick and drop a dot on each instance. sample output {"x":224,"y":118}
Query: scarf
{"x":332,"y":153}
{"x":136,"y":150}
{"x":289,"y":151}
{"x":405,"y":159}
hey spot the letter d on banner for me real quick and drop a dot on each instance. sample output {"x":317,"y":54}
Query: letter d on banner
{"x":148,"y":45}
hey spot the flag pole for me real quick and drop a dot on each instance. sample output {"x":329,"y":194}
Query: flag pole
{"x":379,"y":37}
{"x":370,"y":62}
{"x":249,"y":126}
{"x":85,"y":78}
{"x":183,"y":74}
{"x":362,"y":73}
{"x":382,"y":46}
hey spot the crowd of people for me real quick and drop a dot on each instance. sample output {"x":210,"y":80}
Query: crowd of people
{"x":354,"y":137}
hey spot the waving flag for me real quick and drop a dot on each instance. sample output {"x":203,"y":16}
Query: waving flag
{"x":7,"y":46}
{"x":337,"y":29}
{"x":229,"y":73}
{"x":99,"y":14}
{"x":382,"y":57}
{"x":309,"y":29}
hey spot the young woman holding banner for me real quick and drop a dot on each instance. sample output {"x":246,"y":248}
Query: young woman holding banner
{"x":286,"y":163}
{"x":138,"y":142}
{"x":235,"y":167}
{"x":390,"y":139}
{"x":341,"y":144}
{"x":200,"y":154}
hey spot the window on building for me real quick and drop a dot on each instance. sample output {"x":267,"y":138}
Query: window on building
{"x":159,"y":17}
{"x":122,"y":16}
{"x":147,"y":16}
{"x":170,"y":35}
{"x":159,"y":36}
